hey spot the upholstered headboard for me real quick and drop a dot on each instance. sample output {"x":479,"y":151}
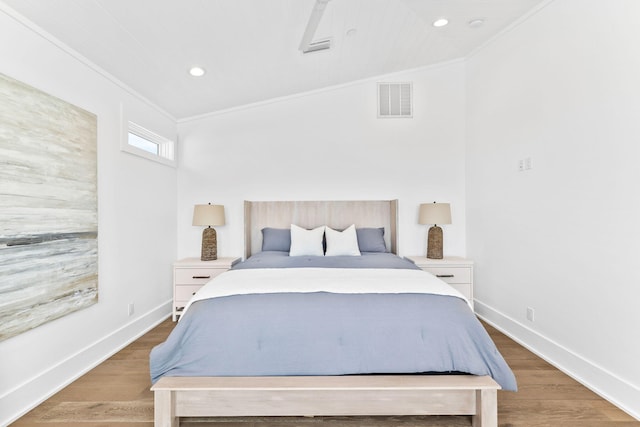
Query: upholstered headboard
{"x":309,"y":214}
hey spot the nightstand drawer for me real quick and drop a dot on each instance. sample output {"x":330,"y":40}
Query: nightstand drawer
{"x":463,"y":288}
{"x":190,"y":274}
{"x":456,"y":271}
{"x":451,"y":274}
{"x":196,"y":276}
{"x":184,"y":293}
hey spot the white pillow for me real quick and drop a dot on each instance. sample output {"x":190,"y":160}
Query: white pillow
{"x":306,"y":242}
{"x":342,"y":242}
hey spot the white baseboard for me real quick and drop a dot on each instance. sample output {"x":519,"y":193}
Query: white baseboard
{"x":616,"y":390}
{"x":30,"y":394}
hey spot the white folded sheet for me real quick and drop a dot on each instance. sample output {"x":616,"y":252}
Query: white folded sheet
{"x":334,"y":280}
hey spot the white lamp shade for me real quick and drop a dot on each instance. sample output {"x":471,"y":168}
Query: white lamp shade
{"x":208,"y":215}
{"x":435,"y":213}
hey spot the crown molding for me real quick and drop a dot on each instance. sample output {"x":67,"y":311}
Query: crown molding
{"x":11,"y":13}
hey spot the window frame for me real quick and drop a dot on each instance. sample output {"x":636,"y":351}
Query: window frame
{"x":166,"y":148}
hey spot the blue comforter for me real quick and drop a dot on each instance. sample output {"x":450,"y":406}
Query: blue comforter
{"x":324,"y":333}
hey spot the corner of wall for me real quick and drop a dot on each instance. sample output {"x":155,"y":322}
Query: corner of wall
{"x":602,"y":382}
{"x":32,"y":392}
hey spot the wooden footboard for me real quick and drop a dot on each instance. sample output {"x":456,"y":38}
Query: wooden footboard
{"x":177,"y":397}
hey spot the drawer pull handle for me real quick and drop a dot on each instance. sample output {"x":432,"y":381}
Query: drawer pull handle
{"x":202,"y":277}
{"x":445,"y":275}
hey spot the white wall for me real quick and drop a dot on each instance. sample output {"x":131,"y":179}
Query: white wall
{"x":137,"y":236}
{"x":564,"y":237}
{"x":329,"y":145}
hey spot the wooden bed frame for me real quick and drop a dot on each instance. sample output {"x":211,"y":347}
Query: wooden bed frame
{"x":177,"y":397}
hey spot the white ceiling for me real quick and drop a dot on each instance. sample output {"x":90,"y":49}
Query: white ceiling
{"x":250,"y":47}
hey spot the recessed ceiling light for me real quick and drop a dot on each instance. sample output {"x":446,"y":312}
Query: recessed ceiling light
{"x":440,"y":22}
{"x":197,"y":71}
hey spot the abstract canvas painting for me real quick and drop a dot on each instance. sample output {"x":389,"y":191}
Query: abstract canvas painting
{"x":48,"y":208}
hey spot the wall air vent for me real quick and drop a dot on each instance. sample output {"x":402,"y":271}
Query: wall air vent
{"x":394,"y":100}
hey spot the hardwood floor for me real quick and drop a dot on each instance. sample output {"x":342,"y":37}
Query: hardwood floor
{"x":116,"y":393}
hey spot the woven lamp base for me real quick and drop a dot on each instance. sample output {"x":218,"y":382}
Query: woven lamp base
{"x":434,"y":243}
{"x":209,"y":245}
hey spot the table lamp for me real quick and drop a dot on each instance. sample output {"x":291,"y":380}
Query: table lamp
{"x":434,"y":213}
{"x":209,"y":215}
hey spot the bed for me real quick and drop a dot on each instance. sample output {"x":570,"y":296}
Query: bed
{"x":290,"y":331}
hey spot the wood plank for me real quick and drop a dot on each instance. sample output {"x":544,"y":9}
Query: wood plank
{"x":324,"y":403}
{"x":334,"y":395}
{"x":336,"y":214}
{"x":345,"y":382}
{"x":486,"y":413}
{"x":165,"y":409}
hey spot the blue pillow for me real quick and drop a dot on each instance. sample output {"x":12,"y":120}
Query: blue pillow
{"x":371,"y":239}
{"x":276,"y":239}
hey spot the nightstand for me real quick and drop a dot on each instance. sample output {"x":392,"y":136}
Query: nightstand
{"x":190,"y":274}
{"x":456,"y":271}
